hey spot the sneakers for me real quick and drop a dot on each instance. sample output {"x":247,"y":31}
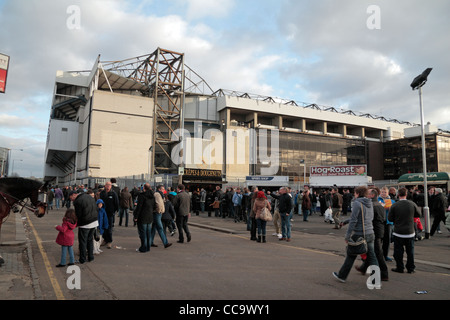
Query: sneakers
{"x":337,"y":277}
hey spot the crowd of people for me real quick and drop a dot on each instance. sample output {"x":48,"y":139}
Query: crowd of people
{"x":386,"y":218}
{"x":386,"y":215}
{"x":94,"y":213}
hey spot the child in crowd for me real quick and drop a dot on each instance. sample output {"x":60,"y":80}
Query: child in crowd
{"x":66,"y":237}
{"x":102,"y":225}
{"x":216,"y":206}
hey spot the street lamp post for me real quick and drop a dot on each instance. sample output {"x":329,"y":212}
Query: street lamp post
{"x":417,"y":84}
{"x":12,"y":171}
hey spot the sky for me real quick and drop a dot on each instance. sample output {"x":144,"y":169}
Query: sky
{"x":349,"y":54}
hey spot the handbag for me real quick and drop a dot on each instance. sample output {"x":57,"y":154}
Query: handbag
{"x":359,"y":246}
{"x":265,"y":214}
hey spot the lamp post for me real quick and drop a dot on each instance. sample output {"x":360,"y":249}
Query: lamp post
{"x":12,"y":171}
{"x":303,"y":164}
{"x":417,"y":84}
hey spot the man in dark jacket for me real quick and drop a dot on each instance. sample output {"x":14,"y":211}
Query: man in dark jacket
{"x":143,"y":215}
{"x":86,"y":212}
{"x":336,"y":206}
{"x":402,"y":214}
{"x":284,"y":206}
{"x":111,"y":201}
{"x":182,"y":208}
{"x":378,"y":223}
{"x":438,"y":209}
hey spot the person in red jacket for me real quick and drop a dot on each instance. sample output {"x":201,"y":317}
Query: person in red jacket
{"x":66,"y":237}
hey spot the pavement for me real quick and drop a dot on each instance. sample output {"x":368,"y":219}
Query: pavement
{"x":19,"y":280}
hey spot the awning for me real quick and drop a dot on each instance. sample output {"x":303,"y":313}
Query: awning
{"x":205,"y":181}
{"x":414,"y":178}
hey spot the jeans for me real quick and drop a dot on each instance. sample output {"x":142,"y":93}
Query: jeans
{"x":400,"y":246}
{"x":157,"y":225}
{"x":144,"y":231}
{"x":123,"y":211}
{"x":86,"y":244}
{"x":58,"y":200}
{"x":261,"y":227}
{"x":305,"y":215}
{"x":371,"y":259}
{"x":64,"y":250}
{"x":285,"y":225}
{"x":182,"y":224}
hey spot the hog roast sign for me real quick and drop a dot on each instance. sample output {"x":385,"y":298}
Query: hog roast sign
{"x":344,"y":170}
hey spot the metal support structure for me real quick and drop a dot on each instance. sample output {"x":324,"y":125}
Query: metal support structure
{"x":163,"y":74}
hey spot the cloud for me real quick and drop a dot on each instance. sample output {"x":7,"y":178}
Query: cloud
{"x":342,"y":62}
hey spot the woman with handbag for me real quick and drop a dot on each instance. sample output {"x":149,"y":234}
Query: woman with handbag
{"x":360,"y":233}
{"x":260,"y":208}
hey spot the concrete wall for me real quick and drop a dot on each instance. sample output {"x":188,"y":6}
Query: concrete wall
{"x":121,"y":131}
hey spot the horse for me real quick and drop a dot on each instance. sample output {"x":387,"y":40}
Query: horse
{"x":13,"y":192}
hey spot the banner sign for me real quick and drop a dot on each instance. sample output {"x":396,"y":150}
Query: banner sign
{"x":4,"y":64}
{"x":199,"y":174}
{"x":356,"y":170}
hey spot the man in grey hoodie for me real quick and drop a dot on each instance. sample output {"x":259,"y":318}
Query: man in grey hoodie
{"x":357,"y":227}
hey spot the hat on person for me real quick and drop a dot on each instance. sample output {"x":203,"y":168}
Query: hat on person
{"x":261,"y":194}
{"x":438,"y":190}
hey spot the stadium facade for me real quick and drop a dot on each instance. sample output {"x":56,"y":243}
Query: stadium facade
{"x":152,"y":118}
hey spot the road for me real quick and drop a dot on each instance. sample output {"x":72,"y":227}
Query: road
{"x":220,"y":264}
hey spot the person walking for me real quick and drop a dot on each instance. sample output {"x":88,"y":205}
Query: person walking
{"x":336,"y":206}
{"x":438,"y":209}
{"x":66,"y":237}
{"x":359,"y":227}
{"x":157,"y":216}
{"x":87,"y":217}
{"x":182,"y":209}
{"x":143,"y":216}
{"x":402,"y":214}
{"x":378,"y":222}
{"x":168,"y":216}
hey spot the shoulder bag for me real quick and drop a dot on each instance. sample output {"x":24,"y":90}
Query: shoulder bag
{"x":359,"y":246}
{"x":265,"y":214}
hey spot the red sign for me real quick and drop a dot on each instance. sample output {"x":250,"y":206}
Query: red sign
{"x":3,"y":74}
{"x":4,"y":64}
{"x":356,"y":170}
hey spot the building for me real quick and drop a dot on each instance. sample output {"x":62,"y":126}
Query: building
{"x":404,"y":156}
{"x":4,"y":162}
{"x":153,"y":118}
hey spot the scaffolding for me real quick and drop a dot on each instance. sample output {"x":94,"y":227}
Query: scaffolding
{"x":167,"y":80}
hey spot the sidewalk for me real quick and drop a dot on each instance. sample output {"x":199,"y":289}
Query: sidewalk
{"x":15,"y":273}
